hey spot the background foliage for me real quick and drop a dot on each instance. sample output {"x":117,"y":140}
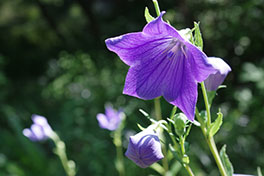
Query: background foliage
{"x":54,"y":63}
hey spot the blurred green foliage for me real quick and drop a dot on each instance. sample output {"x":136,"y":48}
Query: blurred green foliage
{"x":53,"y":62}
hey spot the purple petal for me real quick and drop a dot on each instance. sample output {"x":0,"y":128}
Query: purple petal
{"x":40,"y":120}
{"x":28,"y":133}
{"x":181,"y":91}
{"x":200,"y":65}
{"x":159,"y":27}
{"x":216,"y":79}
{"x":110,"y":120}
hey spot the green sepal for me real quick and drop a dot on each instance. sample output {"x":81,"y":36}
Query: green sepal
{"x":226,"y":162}
{"x":148,"y":17}
{"x":215,"y":126}
{"x":198,"y":40}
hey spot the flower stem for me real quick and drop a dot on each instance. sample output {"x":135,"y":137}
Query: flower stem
{"x":156,"y":5}
{"x":207,"y":106}
{"x":60,"y":151}
{"x":119,"y":151}
{"x":159,"y":117}
{"x":188,"y":169}
{"x":204,"y":127}
{"x":157,"y":108}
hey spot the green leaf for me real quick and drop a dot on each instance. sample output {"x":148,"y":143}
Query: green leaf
{"x":140,"y":127}
{"x":215,"y":126}
{"x":211,"y":94}
{"x":148,"y":17}
{"x":144,"y":113}
{"x":176,"y":154}
{"x":226,"y":162}
{"x":198,"y":40}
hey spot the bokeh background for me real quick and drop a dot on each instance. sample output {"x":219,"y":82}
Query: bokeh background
{"x":54,"y":63}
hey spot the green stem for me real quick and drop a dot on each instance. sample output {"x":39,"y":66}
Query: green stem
{"x":60,"y":151}
{"x":211,"y":144}
{"x":157,"y":108}
{"x":119,"y":152}
{"x":207,"y":105}
{"x":159,"y":117}
{"x":188,"y":169}
{"x":156,"y":5}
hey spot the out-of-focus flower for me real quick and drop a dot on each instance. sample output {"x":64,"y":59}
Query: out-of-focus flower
{"x":216,"y":79}
{"x":39,"y":130}
{"x":144,"y":148}
{"x":162,"y":63}
{"x":242,"y":175}
{"x":111,"y":119}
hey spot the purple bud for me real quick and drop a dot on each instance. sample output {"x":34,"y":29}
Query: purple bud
{"x":111,"y":119}
{"x":215,"y":80}
{"x":39,"y":130}
{"x":144,"y":148}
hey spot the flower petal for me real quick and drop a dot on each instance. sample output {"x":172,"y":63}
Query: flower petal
{"x":200,"y":65}
{"x":216,"y":79}
{"x":159,"y":27}
{"x":181,"y":88}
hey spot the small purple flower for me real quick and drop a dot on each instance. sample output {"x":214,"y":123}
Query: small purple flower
{"x":216,"y":79}
{"x":144,"y":148}
{"x":111,"y":119}
{"x":39,"y":130}
{"x":162,"y":63}
{"x":242,"y":175}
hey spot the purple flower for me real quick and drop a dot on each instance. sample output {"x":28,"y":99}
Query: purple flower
{"x":39,"y":130}
{"x":216,"y":79}
{"x":144,"y":148}
{"x":111,"y":119}
{"x":162,"y":63}
{"x":241,"y":175}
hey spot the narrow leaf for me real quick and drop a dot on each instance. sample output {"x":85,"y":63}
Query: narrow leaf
{"x":226,"y":162}
{"x":198,"y":40}
{"x":214,"y":127}
{"x":140,"y":127}
{"x":148,"y":17}
{"x":144,"y":113}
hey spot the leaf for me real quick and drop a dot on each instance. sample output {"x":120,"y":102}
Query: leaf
{"x":211,"y":94}
{"x":148,"y":17}
{"x":198,"y":40}
{"x":226,"y":162}
{"x":215,"y":126}
{"x":144,"y":113}
{"x":140,"y":127}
